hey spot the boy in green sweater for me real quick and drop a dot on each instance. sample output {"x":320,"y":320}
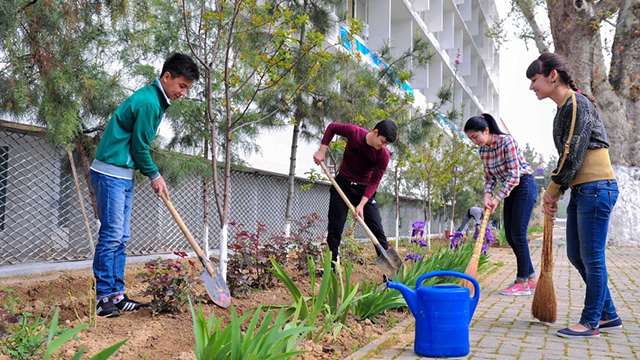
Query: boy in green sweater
{"x":123,"y":149}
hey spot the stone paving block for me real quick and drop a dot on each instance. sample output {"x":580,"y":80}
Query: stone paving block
{"x":558,"y":347}
{"x":508,"y":349}
{"x":482,"y":356}
{"x":531,"y":355}
{"x":490,"y":342}
{"x":575,"y":353}
{"x":502,"y":327}
{"x":599,"y":354}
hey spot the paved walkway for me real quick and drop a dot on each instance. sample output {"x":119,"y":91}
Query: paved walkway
{"x":503,"y":328}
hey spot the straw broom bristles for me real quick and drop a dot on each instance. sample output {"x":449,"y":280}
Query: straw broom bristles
{"x":544,"y":306}
{"x":472,"y":267}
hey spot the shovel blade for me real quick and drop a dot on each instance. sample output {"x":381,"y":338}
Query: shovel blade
{"x":389,"y":262}
{"x":216,"y":288}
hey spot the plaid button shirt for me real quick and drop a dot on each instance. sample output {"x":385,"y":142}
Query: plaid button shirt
{"x":504,"y":161}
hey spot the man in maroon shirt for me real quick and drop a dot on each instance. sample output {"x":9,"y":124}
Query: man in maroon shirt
{"x":364,"y":162}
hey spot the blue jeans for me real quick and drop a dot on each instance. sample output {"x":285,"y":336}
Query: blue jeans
{"x":588,"y":217}
{"x":518,"y":207}
{"x":114,"y":197}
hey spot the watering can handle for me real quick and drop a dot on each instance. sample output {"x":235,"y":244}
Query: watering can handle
{"x":476,"y":293}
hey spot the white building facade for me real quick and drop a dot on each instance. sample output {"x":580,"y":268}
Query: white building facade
{"x":464,"y":57}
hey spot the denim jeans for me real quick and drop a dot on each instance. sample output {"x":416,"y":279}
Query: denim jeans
{"x":518,"y":207}
{"x":588,"y":217}
{"x":114,"y":197}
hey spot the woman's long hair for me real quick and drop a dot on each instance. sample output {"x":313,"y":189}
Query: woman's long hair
{"x":548,"y":62}
{"x":481,"y":122}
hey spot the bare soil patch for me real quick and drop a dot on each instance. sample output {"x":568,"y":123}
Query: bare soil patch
{"x":170,"y":336}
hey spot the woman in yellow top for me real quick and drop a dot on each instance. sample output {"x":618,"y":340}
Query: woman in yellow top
{"x":583,"y":166}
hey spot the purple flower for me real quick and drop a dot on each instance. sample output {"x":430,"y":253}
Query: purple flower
{"x":455,"y":243}
{"x":414,"y":257}
{"x":484,"y":249}
{"x":488,"y":237}
{"x":457,"y":61}
{"x":422,"y":243}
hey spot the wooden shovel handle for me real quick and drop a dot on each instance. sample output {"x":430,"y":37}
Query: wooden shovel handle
{"x":190,"y":238}
{"x":353,"y":209}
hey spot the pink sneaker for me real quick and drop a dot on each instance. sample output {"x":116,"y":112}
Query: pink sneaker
{"x":516,"y":289}
{"x":532,"y":287}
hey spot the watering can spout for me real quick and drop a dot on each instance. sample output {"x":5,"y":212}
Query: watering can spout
{"x":408,"y":293}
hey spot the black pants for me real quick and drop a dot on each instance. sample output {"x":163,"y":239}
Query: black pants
{"x":338,"y":211}
{"x":465,"y":220}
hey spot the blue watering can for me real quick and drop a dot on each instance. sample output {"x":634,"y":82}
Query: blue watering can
{"x":443,"y":314}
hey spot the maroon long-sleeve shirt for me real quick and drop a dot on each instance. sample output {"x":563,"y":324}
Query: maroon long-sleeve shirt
{"x":361,"y":163}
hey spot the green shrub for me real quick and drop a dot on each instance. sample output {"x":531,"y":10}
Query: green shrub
{"x":169,"y":282}
{"x":249,"y":261}
{"x":271,"y":339}
{"x":25,"y":337}
{"x":538,"y":229}
{"x":443,"y":259}
{"x":67,"y":334}
{"x":303,"y":242}
{"x":329,"y":307}
{"x":502,"y":239}
{"x":375,"y":299}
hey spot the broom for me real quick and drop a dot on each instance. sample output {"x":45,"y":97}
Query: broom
{"x":544,"y":304}
{"x":472,"y":267}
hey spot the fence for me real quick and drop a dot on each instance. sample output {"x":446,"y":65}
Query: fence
{"x":41,"y":219}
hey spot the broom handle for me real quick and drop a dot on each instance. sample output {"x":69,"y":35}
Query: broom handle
{"x":480,"y":240}
{"x":547,"y":242}
{"x":472,"y":267}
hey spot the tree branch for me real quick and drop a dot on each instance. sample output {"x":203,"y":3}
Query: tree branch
{"x":526,"y":7}
{"x":604,"y":9}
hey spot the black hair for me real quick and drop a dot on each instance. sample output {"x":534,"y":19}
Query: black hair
{"x":548,"y":62}
{"x":388,"y":129}
{"x":181,"y":65}
{"x":481,"y":122}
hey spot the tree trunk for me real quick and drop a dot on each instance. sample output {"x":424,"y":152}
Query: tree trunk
{"x":292,"y":178}
{"x":625,"y":78}
{"x":298,"y":116}
{"x":397,"y":194}
{"x":576,"y":36}
{"x":453,"y":202}
{"x":84,"y":161}
{"x":205,"y":206}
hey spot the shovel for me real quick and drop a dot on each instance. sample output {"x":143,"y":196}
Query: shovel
{"x":213,"y":282}
{"x":389,"y":260}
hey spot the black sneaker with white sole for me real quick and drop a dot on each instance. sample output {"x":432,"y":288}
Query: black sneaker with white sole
{"x":127,"y":304}
{"x":106,"y":308}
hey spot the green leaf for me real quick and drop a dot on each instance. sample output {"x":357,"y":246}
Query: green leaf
{"x":106,"y":353}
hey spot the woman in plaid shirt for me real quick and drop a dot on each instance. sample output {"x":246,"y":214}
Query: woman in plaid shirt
{"x":504,"y":161}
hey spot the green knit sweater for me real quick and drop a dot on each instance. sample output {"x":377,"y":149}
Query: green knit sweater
{"x":126,"y":140}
